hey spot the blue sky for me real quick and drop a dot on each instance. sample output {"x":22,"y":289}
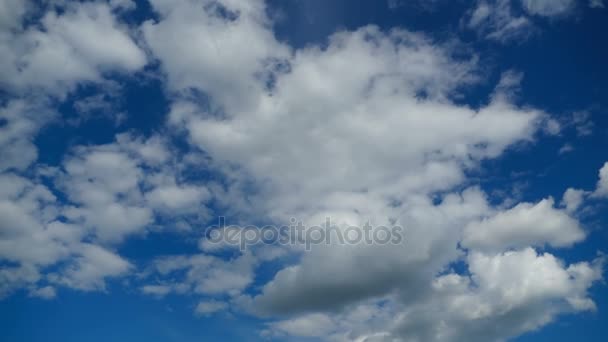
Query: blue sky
{"x":128,"y":127}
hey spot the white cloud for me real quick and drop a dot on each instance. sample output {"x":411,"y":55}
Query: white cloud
{"x":312,"y":325}
{"x":573,"y":199}
{"x":12,"y":12}
{"x":20,"y":120}
{"x":46,"y":292}
{"x":431,"y":234}
{"x":79,"y":44}
{"x":496,"y":20}
{"x":505,"y":295}
{"x":216,"y":55}
{"x":30,"y":236}
{"x":118,"y":189}
{"x":14,"y":278}
{"x":206,"y":274}
{"x":548,"y":7}
{"x":156,"y":290}
{"x":526,"y":224}
{"x":364,"y":127}
{"x":207,"y":308}
{"x":602,"y":184}
{"x":107,"y":202}
{"x":290,"y":140}
{"x":522,"y":277}
{"x":103,"y":184}
{"x":173,"y":198}
{"x":90,"y":268}
{"x":153,"y":151}
{"x":500,"y":20}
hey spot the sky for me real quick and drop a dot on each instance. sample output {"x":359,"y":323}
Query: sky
{"x":137,"y":137}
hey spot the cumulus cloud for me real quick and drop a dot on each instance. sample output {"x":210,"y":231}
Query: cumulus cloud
{"x":21,"y":120}
{"x":118,"y":189}
{"x":104,"y":186}
{"x":366,"y":127}
{"x":14,"y":278}
{"x":203,"y":274}
{"x":573,"y":199}
{"x":602,"y":184}
{"x":335,"y":148}
{"x":89,"y":269}
{"x":213,"y":30}
{"x":505,"y":295}
{"x":85,"y":34}
{"x":107,"y":200}
{"x":298,"y":143}
{"x":24,"y":235}
{"x":36,"y":243}
{"x":524,"y":225}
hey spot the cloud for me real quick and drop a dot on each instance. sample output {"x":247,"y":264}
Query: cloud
{"x":312,"y":325}
{"x":104,"y":198}
{"x":573,"y":199}
{"x":12,"y":12}
{"x":206,"y":274}
{"x":46,"y":292}
{"x":177,"y":199}
{"x":119,"y":189}
{"x":496,"y":20}
{"x":548,"y":7}
{"x":363,"y":127}
{"x":505,"y":295}
{"x":30,"y":236}
{"x":207,"y":308}
{"x":522,"y":277}
{"x":85,"y":34}
{"x":34,"y":235}
{"x":103,"y":184}
{"x":156,"y":290}
{"x":21,"y":120}
{"x":89,"y":269}
{"x":524,"y":225}
{"x":602,"y":184}
{"x":329,"y":151}
{"x":509,"y":20}
{"x":567,"y":148}
{"x":369,"y":126}
{"x":596,"y":4}
{"x":582,"y":122}
{"x":14,"y":278}
{"x":208,"y":62}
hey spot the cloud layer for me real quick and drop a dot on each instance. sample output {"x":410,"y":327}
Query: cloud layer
{"x":369,"y":126}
